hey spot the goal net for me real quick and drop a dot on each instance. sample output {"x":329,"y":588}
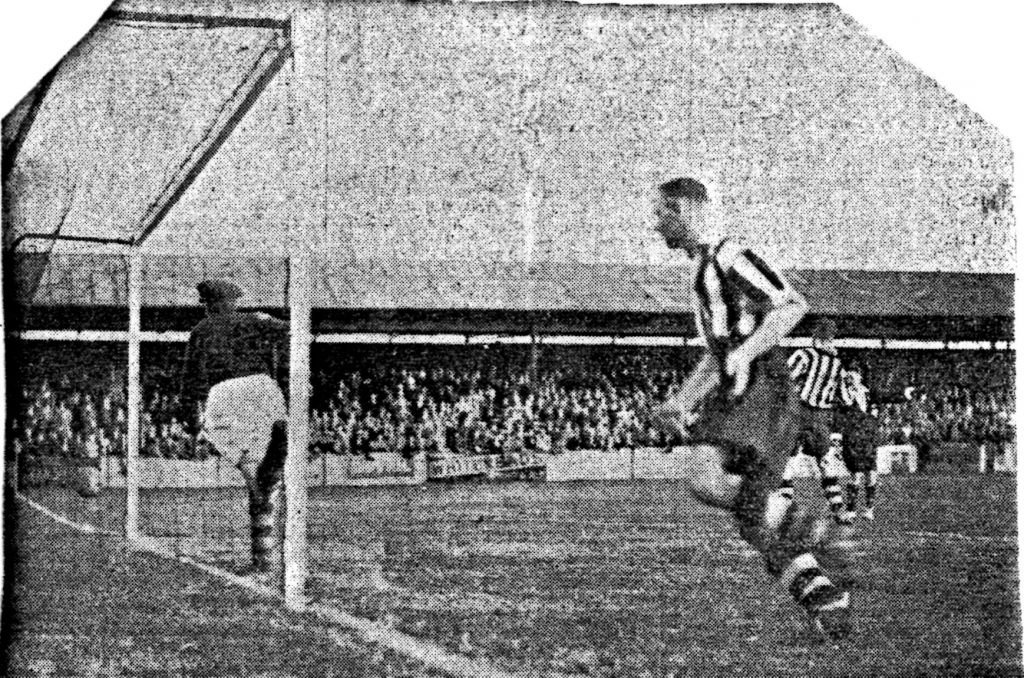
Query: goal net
{"x":104,"y":236}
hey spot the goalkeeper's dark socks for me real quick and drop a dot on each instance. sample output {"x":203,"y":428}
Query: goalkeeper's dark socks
{"x":265,"y":514}
{"x":809,"y":586}
{"x":263,"y":541}
{"x":834,"y":496}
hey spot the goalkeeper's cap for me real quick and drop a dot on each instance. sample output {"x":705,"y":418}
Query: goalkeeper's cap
{"x":685,"y":187}
{"x":824,"y":330}
{"x":215,"y":291}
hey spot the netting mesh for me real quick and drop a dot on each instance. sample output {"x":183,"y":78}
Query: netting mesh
{"x":129,"y":120}
{"x":68,"y":385}
{"x":67,"y":421}
{"x":51,"y":288}
{"x":126,"y":110}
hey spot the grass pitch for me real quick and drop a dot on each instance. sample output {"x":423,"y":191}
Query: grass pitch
{"x":607,"y":579}
{"x":84,"y":605}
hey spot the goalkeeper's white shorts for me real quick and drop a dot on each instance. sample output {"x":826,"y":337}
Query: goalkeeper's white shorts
{"x":240,"y":414}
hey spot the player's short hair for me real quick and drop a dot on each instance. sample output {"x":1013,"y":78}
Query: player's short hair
{"x":685,"y":187}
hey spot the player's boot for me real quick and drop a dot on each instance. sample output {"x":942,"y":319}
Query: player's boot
{"x":846,"y":517}
{"x":868,"y":513}
{"x":829,"y":614}
{"x":827,"y":605}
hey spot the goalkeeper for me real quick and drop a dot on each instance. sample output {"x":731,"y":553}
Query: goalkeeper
{"x":232,"y":391}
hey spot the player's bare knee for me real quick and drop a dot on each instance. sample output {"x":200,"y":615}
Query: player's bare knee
{"x":776,"y":508}
{"x":716,"y":489}
{"x":708,"y":480}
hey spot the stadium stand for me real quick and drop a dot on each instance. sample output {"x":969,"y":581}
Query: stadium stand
{"x":435,"y":401}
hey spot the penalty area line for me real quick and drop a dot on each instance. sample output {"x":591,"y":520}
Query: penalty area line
{"x":429,"y":654}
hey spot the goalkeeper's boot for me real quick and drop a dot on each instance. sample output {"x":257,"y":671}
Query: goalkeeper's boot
{"x":868,"y":513}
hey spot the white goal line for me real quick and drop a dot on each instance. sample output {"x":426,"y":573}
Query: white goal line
{"x":456,"y":339}
{"x":431,"y":655}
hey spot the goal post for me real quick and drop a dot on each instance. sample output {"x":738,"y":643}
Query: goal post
{"x":307,"y":160}
{"x":133,"y":441}
{"x":296,"y":464}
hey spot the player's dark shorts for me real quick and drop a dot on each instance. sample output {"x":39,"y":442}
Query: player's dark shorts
{"x":815,"y":430}
{"x":860,"y":458}
{"x":757,"y":431}
{"x":860,"y":453}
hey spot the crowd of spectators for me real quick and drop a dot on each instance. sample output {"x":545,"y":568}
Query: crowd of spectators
{"x":945,"y":398}
{"x":442,"y":410}
{"x":89,"y":418}
{"x":446,"y":405}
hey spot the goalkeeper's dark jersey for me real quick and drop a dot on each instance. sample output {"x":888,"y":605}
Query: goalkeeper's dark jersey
{"x":229,"y":345}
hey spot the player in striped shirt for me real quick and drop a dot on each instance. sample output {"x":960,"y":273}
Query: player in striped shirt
{"x":739,"y":403}
{"x":815,"y":371}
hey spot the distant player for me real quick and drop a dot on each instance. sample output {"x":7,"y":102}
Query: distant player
{"x":739,"y":401}
{"x":815,"y":371}
{"x":858,"y":422}
{"x":232,"y":385}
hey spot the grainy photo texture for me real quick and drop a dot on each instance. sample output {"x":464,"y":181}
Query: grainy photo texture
{"x":505,"y":339}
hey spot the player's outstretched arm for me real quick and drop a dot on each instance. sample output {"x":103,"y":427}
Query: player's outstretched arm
{"x":674,"y":414}
{"x":270,"y":321}
{"x":275,"y":336}
{"x":193,"y":386}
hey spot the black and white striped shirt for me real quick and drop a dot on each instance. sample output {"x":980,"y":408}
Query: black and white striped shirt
{"x":853,"y":392}
{"x":816,"y":372}
{"x":735,"y":290}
